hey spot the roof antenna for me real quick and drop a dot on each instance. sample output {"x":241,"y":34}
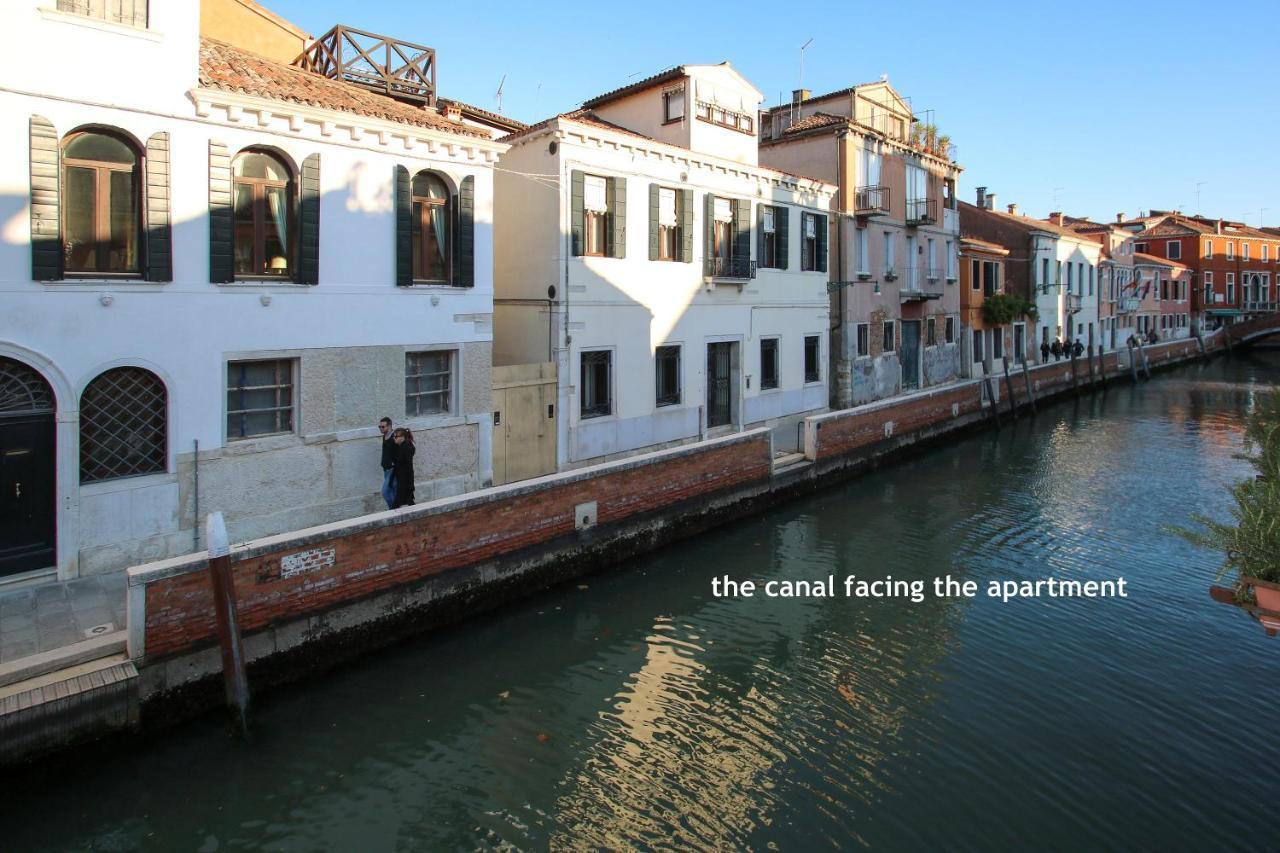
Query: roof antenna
{"x":794,"y":105}
{"x":501,"y":83}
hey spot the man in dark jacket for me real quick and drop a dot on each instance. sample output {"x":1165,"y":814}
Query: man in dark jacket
{"x":388,"y":463}
{"x":1044,"y":351}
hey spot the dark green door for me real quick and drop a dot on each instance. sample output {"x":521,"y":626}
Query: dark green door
{"x":719,"y":384}
{"x":910,"y":354}
{"x":26,"y":470}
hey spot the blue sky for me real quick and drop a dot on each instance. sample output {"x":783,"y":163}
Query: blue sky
{"x":1091,"y":108}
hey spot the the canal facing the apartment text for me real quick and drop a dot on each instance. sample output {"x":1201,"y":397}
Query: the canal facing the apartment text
{"x":637,"y":708}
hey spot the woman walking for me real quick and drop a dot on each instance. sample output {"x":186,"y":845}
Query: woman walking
{"x":403,"y":467}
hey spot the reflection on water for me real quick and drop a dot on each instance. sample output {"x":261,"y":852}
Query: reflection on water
{"x":636,"y":709}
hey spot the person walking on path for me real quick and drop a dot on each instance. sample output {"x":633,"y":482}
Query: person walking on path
{"x":1056,"y":349}
{"x":403,"y":467}
{"x":1077,"y":348}
{"x":1044,"y":351}
{"x":388,"y":463}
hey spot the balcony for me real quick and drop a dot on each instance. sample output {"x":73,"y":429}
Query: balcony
{"x":1260,"y":307}
{"x":920,"y":284}
{"x":922,"y":211}
{"x":389,"y":66}
{"x":1127,"y":305}
{"x":730,"y":268}
{"x":872,"y":201}
{"x":1074,"y":303}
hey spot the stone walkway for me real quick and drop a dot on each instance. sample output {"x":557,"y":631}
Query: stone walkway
{"x":43,"y":618}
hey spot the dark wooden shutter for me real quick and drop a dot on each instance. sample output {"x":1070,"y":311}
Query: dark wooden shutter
{"x":653,"y":222}
{"x":686,"y":226}
{"x":464,"y":241}
{"x":760,"y":233}
{"x":742,"y":230}
{"x":616,"y":196}
{"x":159,"y":234}
{"x":221,"y":234}
{"x":309,"y":222}
{"x":780,"y":224}
{"x":46,"y":237}
{"x":577,"y":201}
{"x":404,"y":228}
{"x":821,"y":228}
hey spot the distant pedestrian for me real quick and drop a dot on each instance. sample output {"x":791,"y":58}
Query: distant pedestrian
{"x":1056,"y":349}
{"x":1044,"y":351}
{"x":403,"y":468}
{"x":1152,"y":337}
{"x":388,"y":463}
{"x":1077,"y":348}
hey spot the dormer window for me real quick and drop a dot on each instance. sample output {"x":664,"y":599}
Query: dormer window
{"x":673,"y":105}
{"x":131,"y":13}
{"x":715,"y":114}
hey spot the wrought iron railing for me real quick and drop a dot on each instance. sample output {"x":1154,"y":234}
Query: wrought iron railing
{"x":1260,"y":306}
{"x":922,"y":211}
{"x":870,"y":200}
{"x":397,"y":68}
{"x":1074,"y":303}
{"x":714,"y":267}
{"x":1128,"y":304}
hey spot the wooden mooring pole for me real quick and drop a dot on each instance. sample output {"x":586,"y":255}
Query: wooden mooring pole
{"x":1102,"y":369}
{"x":995,"y":406}
{"x":1026,"y":380}
{"x":1008,"y":386}
{"x":1088,"y":356}
{"x":224,"y":602}
{"x":1075,"y":389}
{"x":1133,"y":361}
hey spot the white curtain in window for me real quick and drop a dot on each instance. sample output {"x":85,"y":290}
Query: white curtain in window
{"x":437,"y":225}
{"x":594,"y":195}
{"x":767,"y":220}
{"x":723,"y":210}
{"x":275,"y":201}
{"x":667,"y":207}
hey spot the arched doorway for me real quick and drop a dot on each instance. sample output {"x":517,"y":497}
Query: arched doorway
{"x":27,"y":465}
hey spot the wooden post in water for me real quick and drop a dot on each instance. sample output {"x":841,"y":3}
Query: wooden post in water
{"x":1200,"y":342}
{"x":1008,"y":386}
{"x":1146,"y":365}
{"x":1088,"y":356}
{"x":1133,"y":361}
{"x":1102,"y":369}
{"x":224,"y":601}
{"x":1074,"y":388}
{"x":995,"y":406}
{"x":1026,"y":380}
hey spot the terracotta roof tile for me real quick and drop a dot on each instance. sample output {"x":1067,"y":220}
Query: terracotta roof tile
{"x":815,"y":121}
{"x":231,"y":69}
{"x":1144,"y":258}
{"x":581,"y":116}
{"x":639,"y":86}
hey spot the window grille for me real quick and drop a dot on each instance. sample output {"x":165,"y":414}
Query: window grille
{"x":132,"y":13}
{"x":812,"y":369}
{"x":597,"y":397}
{"x":22,"y":390}
{"x":428,"y":382}
{"x":259,"y":398}
{"x":123,"y":425}
{"x":667,"y":375}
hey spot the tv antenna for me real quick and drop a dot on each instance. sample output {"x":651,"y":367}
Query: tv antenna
{"x":1199,"y":184}
{"x":802,"y":47}
{"x":501,"y":83}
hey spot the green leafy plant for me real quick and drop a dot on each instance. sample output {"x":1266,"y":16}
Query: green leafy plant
{"x":1001,"y":309}
{"x":944,"y":146}
{"x":1251,"y":540}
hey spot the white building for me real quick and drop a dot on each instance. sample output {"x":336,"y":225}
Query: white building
{"x":1065,"y":267}
{"x":680,"y":288}
{"x":204,"y":246}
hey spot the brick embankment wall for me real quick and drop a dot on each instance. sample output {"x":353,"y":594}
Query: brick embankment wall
{"x":850,"y":432}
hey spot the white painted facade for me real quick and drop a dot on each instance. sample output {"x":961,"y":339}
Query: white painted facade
{"x":1067,"y":296}
{"x":347,"y":335}
{"x":631,"y":305}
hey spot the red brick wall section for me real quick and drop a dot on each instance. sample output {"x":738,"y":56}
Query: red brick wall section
{"x":297,"y":581}
{"x":846,"y":433}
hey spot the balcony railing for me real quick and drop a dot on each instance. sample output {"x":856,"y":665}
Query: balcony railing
{"x":871,"y":201}
{"x":919,"y":283}
{"x":740,"y":268}
{"x":1260,"y":307}
{"x":922,"y":211}
{"x":1128,"y":305}
{"x":397,"y":68}
{"x":1074,"y":303}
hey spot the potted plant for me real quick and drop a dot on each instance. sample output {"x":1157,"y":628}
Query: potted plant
{"x":1251,"y":541}
{"x":917,"y":134}
{"x":944,"y":146}
{"x":931,"y":138}
{"x":890,"y":275}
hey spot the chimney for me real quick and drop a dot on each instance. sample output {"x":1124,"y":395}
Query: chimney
{"x":1056,"y":218}
{"x":1013,"y":210}
{"x":1120,"y":217}
{"x":991,"y":201}
{"x":1219,"y":226}
{"x":799,"y":96}
{"x":982,"y":196}
{"x":453,"y":112}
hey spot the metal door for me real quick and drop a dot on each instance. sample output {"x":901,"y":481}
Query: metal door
{"x":524,"y":416}
{"x":719,"y":384}
{"x":26,"y":470}
{"x":910,"y":354}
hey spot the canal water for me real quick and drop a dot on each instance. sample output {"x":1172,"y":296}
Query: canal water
{"x":634,"y":708}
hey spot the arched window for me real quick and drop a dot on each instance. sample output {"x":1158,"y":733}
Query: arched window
{"x":123,"y":425}
{"x":22,"y":390}
{"x":431,"y":228}
{"x":264,"y":205}
{"x":101,"y":183}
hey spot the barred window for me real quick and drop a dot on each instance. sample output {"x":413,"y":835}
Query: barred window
{"x":666,"y":361}
{"x":130,"y":12}
{"x":428,"y":382}
{"x":123,"y":425}
{"x":259,"y":398}
{"x":812,"y":367}
{"x":597,"y":395}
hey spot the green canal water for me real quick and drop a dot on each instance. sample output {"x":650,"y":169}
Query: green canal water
{"x":635,"y":709}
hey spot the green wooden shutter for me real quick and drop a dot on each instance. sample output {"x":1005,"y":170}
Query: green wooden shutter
{"x":742,"y":230}
{"x":686,"y":226}
{"x":616,"y":191}
{"x":653,"y":222}
{"x":708,"y":229}
{"x":404,"y":228}
{"x":464,"y":256}
{"x":577,"y":200}
{"x":760,"y":233}
{"x":46,"y":231}
{"x":784,"y":235}
{"x":821,"y":228}
{"x":221,"y":235}
{"x":159,"y":235}
{"x":309,"y":223}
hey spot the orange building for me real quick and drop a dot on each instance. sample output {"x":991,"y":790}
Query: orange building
{"x":982,"y":276}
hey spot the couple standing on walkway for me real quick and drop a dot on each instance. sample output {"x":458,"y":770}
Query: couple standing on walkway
{"x":397,"y":465}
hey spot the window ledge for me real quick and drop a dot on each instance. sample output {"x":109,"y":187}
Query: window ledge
{"x":104,"y":26}
{"x":260,"y":444}
{"x":125,"y":484}
{"x":430,"y":422}
{"x":263,"y":282}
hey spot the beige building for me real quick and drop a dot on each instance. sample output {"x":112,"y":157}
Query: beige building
{"x":894,"y":235}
